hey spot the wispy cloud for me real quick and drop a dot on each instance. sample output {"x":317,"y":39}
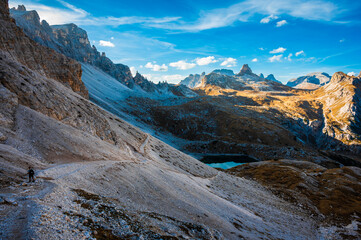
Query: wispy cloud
{"x":276,"y":58}
{"x":229,"y":62}
{"x":300,"y":53}
{"x":72,"y":14}
{"x":244,"y":11}
{"x":281,"y":23}
{"x":216,"y":18}
{"x":182,"y":65}
{"x":268,"y":18}
{"x":289,"y":57}
{"x":254,"y":60}
{"x":278,"y":50}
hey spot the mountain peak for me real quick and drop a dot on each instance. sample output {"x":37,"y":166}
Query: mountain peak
{"x":21,"y":8}
{"x":341,"y":77}
{"x":359,"y":75}
{"x":246,"y":70}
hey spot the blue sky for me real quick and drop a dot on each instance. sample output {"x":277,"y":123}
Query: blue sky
{"x":167,"y":40}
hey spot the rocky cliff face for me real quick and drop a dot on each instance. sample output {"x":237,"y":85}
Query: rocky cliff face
{"x":69,"y":40}
{"x":73,"y":42}
{"x":224,"y":72}
{"x":193,"y":80}
{"x":39,"y":58}
{"x":245,"y":70}
{"x":143,"y":83}
{"x":342,"y":107}
{"x":311,"y":81}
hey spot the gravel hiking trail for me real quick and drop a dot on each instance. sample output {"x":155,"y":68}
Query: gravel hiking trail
{"x":18,"y":206}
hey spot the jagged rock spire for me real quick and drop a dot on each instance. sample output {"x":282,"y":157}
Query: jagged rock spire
{"x":21,"y":8}
{"x":246,"y":69}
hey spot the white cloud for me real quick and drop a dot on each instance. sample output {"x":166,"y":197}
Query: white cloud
{"x":300,"y":53}
{"x":71,"y":14}
{"x":352,"y":74}
{"x":342,"y":40}
{"x":182,"y":65}
{"x":106,"y":43}
{"x":244,"y":11}
{"x":173,"y":78}
{"x":261,"y":48}
{"x":149,"y":77}
{"x":276,"y":58}
{"x":278,"y":50}
{"x":160,"y":78}
{"x":156,"y":68}
{"x":112,"y":38}
{"x":205,"y":60}
{"x":254,"y":60}
{"x":133,"y":70}
{"x":268,"y":19}
{"x":54,"y":15}
{"x":289,"y":57}
{"x":281,"y":23}
{"x":229,"y":62}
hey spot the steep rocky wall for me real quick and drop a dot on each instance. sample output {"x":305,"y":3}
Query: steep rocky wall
{"x":38,"y":58}
{"x":341,"y":98}
{"x":70,"y":40}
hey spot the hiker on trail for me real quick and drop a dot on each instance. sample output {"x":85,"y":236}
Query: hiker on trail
{"x":31,"y":175}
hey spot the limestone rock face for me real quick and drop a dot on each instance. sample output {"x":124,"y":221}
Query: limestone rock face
{"x":193,"y":80}
{"x":310,"y":81}
{"x":71,"y":41}
{"x":4,"y":10}
{"x":38,"y":58}
{"x":224,"y":72}
{"x":8,"y":105}
{"x":48,"y":97}
{"x":245,"y":70}
{"x":244,"y":80}
{"x":144,"y":83}
{"x":342,"y":107}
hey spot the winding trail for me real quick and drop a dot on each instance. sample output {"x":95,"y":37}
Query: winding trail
{"x":142,"y":147}
{"x":18,"y":220}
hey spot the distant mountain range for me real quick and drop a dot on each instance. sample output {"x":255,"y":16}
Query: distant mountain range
{"x":224,"y":77}
{"x":310,"y":81}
